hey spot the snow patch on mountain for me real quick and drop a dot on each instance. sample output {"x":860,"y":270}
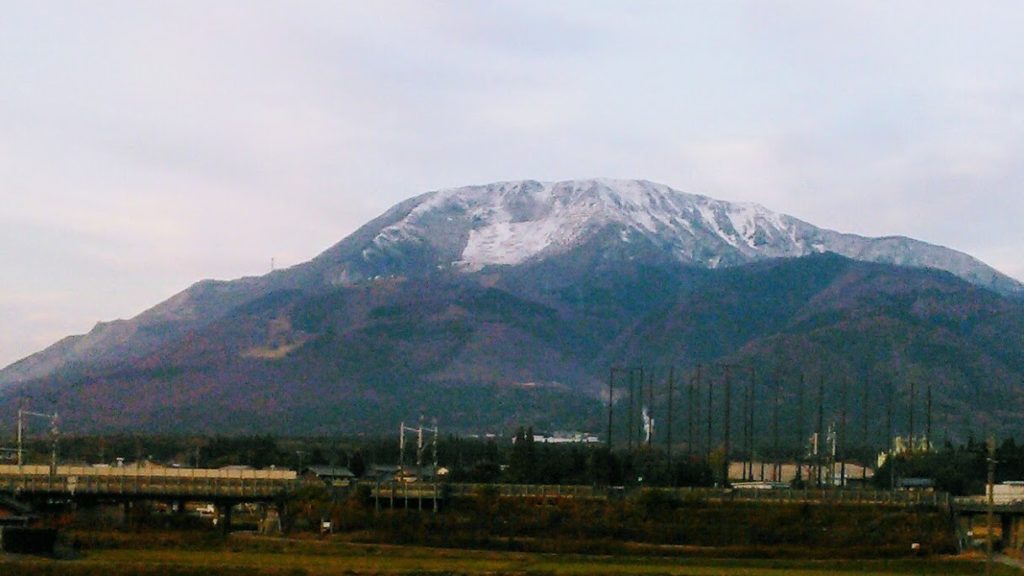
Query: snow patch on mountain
{"x":510,"y":223}
{"x":511,"y":242}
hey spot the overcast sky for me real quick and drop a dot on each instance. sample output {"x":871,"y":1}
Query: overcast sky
{"x":147,"y":145}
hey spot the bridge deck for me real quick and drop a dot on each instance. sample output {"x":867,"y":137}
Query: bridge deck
{"x":220,"y":484}
{"x":198,"y":483}
{"x":979,"y":504}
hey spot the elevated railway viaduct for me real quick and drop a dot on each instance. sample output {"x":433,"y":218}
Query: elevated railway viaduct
{"x":85,"y":484}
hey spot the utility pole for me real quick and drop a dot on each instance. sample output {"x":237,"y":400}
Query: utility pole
{"x":668,"y":432}
{"x":865,"y":442}
{"x":650,"y":409}
{"x":777,"y":465}
{"x":639,"y":402}
{"x":401,"y":448}
{"x":821,"y":426}
{"x":892,"y":451}
{"x":707,"y":456}
{"x":750,"y":427}
{"x":629,"y":420}
{"x":692,"y":416}
{"x":928,"y":422}
{"x":911,"y":443}
{"x":419,"y":451}
{"x":435,"y":465}
{"x":800,"y":425}
{"x":611,"y":402}
{"x":746,"y":436}
{"x":991,"y":503}
{"x":728,"y":410}
{"x":419,"y":460}
{"x":54,"y":434}
{"x":435,"y":447}
{"x":21,"y":425}
{"x":842,"y":436}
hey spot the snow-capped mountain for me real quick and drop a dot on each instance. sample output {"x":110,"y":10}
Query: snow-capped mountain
{"x":508,"y":302}
{"x":512,"y":223}
{"x":502,"y":227}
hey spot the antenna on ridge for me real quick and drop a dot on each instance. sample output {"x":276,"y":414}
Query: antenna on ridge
{"x":271,"y":263}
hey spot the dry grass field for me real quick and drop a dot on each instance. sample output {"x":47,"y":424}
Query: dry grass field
{"x":251,"y":555}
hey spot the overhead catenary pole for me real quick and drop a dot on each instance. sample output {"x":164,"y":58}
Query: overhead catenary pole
{"x":54,"y":435}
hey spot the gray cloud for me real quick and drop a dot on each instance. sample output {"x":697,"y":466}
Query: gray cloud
{"x":144,"y":146}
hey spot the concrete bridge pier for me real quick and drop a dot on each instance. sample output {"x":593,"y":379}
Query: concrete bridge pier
{"x":224,"y":511}
{"x":1009,"y":523}
{"x":1013,"y":531}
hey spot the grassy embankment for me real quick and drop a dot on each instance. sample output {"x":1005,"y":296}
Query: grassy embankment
{"x":649,"y":534}
{"x":656,"y":524}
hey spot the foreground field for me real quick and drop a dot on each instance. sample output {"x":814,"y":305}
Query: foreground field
{"x":285,"y":557}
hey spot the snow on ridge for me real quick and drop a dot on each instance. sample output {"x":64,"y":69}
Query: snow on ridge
{"x":507,"y":223}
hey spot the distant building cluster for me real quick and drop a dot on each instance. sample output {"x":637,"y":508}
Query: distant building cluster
{"x":560,"y":437}
{"x":902,"y":445}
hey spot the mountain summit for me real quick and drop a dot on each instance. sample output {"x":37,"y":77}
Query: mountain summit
{"x":512,"y":223}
